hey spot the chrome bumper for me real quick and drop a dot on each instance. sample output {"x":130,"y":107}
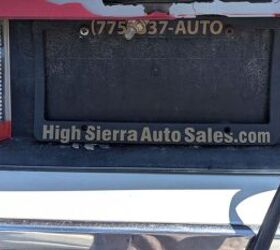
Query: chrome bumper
{"x":32,"y":234}
{"x":43,"y":210}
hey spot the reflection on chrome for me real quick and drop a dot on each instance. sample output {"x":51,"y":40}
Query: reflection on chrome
{"x":31,"y":240}
{"x":26,"y":234}
{"x":19,"y":240}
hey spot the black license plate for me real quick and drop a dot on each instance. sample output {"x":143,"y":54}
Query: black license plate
{"x":208,"y":81}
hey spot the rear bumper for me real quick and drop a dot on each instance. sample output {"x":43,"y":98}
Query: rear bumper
{"x":59,"y":207}
{"x":34,"y":234}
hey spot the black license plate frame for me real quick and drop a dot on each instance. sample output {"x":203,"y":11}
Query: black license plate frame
{"x":209,"y":133}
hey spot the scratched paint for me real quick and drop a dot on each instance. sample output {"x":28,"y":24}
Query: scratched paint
{"x":97,"y":7}
{"x":91,"y":9}
{"x":181,"y":10}
{"x":238,"y":9}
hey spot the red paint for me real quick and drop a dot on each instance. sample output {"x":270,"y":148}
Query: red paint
{"x":33,"y":9}
{"x":159,"y":15}
{"x":5,"y":130}
{"x":42,"y":9}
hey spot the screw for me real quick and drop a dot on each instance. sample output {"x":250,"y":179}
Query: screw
{"x":130,"y":33}
{"x":140,"y":27}
{"x":84,"y":31}
{"x":135,"y":27}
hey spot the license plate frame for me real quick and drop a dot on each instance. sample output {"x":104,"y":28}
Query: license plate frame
{"x":48,"y":130}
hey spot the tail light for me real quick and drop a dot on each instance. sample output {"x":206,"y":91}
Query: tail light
{"x":5,"y":105}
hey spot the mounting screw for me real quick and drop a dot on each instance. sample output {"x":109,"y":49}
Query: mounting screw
{"x":84,"y":31}
{"x":135,"y":27}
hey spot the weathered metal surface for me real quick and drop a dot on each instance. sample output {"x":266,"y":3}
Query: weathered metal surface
{"x":92,"y":9}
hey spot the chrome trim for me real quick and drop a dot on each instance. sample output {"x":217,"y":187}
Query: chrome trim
{"x":39,"y":234}
{"x":80,"y":181}
{"x":141,"y":170}
{"x":83,"y":227}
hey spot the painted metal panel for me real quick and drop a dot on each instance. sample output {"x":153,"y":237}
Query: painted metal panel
{"x":151,"y":198}
{"x":92,"y":9}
